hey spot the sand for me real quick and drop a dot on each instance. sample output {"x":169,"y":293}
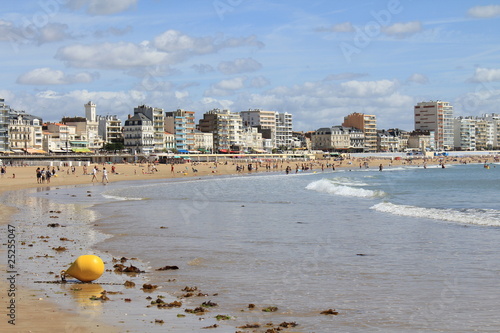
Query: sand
{"x":35,"y":313}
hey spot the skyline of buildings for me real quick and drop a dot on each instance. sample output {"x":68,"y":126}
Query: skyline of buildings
{"x":152,"y":130}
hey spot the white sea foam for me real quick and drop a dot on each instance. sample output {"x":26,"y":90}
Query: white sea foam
{"x":120,"y":198}
{"x":488,"y":217}
{"x":327,"y":186}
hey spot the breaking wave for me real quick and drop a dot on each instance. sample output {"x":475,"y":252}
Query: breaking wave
{"x":487,"y":217}
{"x":332,"y":187}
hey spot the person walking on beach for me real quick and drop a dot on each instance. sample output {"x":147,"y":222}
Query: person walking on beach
{"x":105,"y":176}
{"x":94,"y":174}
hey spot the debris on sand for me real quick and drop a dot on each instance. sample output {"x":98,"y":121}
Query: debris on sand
{"x":167,"y":268}
{"x":330,"y":312}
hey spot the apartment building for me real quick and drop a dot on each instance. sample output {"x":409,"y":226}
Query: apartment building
{"x":367,"y":124}
{"x":181,"y":124}
{"x":25,"y":132}
{"x":436,"y":116}
{"x":139,"y":134}
{"x":4,"y":126}
{"x":156,"y":115}
{"x":226,"y":127}
{"x":110,"y":129}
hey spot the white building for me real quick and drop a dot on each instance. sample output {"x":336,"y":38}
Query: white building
{"x":203,"y":142}
{"x":92,"y":127}
{"x":25,"y":132}
{"x":4,"y":126}
{"x":110,"y":129}
{"x":139,"y":134}
{"x":464,"y":133}
{"x":284,"y":124}
{"x":157,"y":116}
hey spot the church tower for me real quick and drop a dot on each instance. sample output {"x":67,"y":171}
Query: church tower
{"x":90,"y":111}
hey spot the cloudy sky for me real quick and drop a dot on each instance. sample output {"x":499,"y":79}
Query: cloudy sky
{"x":319,"y":60}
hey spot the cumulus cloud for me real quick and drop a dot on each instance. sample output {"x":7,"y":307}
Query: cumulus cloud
{"x":344,"y":76}
{"x":240,"y":65}
{"x":226,"y":87}
{"x":418,"y":78}
{"x":368,"y":88}
{"x":401,"y":30}
{"x":48,"y":33}
{"x":48,"y":76}
{"x":53,"y":32}
{"x":176,"y":41}
{"x":203,"y":68}
{"x":486,"y":75}
{"x":99,"y":7}
{"x":259,"y":82}
{"x":112,"y":56}
{"x":171,"y":47}
{"x":339,"y":27}
{"x":484,"y":11}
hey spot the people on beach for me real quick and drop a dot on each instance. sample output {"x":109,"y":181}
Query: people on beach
{"x":94,"y":174}
{"x":105,"y":176}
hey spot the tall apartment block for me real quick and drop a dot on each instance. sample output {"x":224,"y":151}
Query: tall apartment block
{"x":436,"y":116}
{"x":367,"y":124}
{"x":110,"y":128}
{"x":225,"y":126}
{"x":4,"y":126}
{"x":272,"y":124}
{"x":157,"y":117}
{"x":181,"y":124}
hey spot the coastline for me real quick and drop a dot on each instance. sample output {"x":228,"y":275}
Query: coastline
{"x":60,"y":320}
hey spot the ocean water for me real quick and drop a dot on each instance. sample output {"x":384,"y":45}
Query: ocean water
{"x":403,"y":250}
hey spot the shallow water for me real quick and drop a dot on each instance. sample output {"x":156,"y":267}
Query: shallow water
{"x":403,"y":250}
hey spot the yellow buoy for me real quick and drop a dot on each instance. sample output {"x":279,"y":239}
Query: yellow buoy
{"x":86,"y":268}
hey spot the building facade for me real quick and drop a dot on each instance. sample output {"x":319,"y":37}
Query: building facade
{"x":138,"y":134}
{"x":110,"y":129}
{"x":367,"y":124}
{"x":436,"y":116}
{"x":181,"y":124}
{"x":157,"y":116}
{"x":464,"y":137}
{"x":25,"y":132}
{"x":264,"y":121}
{"x":284,"y":124}
{"x":4,"y":126}
{"x":226,"y":127}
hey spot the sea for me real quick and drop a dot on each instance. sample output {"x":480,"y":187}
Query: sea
{"x":406,"y":249}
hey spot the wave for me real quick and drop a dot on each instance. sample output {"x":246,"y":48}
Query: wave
{"x":120,"y":198}
{"x":486,"y":217}
{"x":328,"y":186}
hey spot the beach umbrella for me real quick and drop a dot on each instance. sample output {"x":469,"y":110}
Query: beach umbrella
{"x":86,"y":268}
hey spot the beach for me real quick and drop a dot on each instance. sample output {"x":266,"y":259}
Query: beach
{"x":44,"y":313}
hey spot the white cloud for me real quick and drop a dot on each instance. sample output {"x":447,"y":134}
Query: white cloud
{"x":486,"y":75}
{"x":171,"y":47}
{"x":226,"y":87}
{"x":112,"y":56}
{"x":418,"y":78}
{"x":484,"y":11}
{"x":100,"y":7}
{"x":203,"y":68}
{"x":344,"y":76}
{"x":368,"y":88}
{"x":176,"y":41}
{"x":401,"y":30}
{"x":53,"y":32}
{"x":240,"y":65}
{"x":47,"y":76}
{"x":259,"y":82}
{"x":339,"y":27}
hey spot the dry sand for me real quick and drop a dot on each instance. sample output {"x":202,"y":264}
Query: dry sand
{"x":36,"y":314}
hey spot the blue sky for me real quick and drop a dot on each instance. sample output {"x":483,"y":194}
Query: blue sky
{"x":319,"y":60}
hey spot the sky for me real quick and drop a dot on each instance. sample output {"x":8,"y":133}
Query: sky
{"x":318,"y":60}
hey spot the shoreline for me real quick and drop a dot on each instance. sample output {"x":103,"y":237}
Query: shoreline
{"x":25,"y":178}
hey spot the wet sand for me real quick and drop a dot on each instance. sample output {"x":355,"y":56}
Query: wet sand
{"x":37,"y":311}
